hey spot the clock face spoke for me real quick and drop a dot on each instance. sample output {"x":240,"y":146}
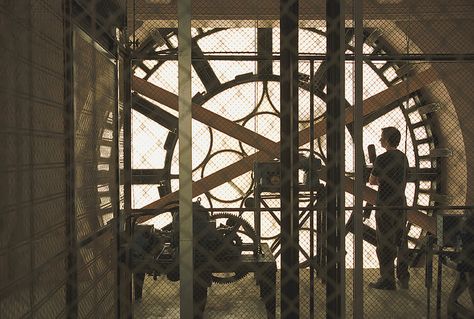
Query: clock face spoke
{"x":265,"y":51}
{"x":154,"y":113}
{"x":203,"y":68}
{"x":320,"y":77}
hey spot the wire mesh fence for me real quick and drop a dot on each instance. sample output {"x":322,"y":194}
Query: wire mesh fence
{"x":32,"y":219}
{"x":397,"y":92}
{"x":59,"y":165}
{"x":417,"y":78}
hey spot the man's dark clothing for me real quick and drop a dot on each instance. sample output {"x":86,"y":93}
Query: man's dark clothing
{"x":391,"y":170}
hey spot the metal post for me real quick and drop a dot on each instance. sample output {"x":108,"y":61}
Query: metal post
{"x":257,"y":214}
{"x":126,"y":279}
{"x":116,"y":188}
{"x":335,"y":159}
{"x":71,"y":284}
{"x":311,"y":190}
{"x":289,"y":159}
{"x":186,"y":266}
{"x":358,"y":275}
{"x":439,"y":283}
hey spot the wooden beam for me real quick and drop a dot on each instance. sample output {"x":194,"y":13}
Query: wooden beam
{"x":418,"y":218}
{"x":205,"y":116}
{"x":271,"y":149}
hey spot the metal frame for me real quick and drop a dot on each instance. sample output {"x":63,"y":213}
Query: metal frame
{"x":335,"y":283}
{"x":71,"y":283}
{"x":289,"y":143}
{"x":116,"y":189}
{"x":186,"y":238}
{"x":311,"y":197}
{"x":254,"y":56}
{"x":359,"y":59}
{"x":126,"y":221}
{"x":358,"y":275}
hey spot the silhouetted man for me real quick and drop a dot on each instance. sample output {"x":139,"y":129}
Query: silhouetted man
{"x":390,"y":174}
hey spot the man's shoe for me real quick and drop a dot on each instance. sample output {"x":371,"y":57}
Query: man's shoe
{"x":383,"y":285}
{"x":403,"y":284}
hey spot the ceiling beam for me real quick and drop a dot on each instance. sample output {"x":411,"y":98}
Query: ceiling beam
{"x":310,"y":10}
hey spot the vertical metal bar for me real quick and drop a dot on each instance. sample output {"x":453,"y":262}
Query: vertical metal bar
{"x":94,"y":156}
{"x":335,"y":158}
{"x":341,"y":216}
{"x":186,"y":265}
{"x":126,"y":280}
{"x":116,"y":186}
{"x":320,"y":237}
{"x":134,"y":24}
{"x":257,"y":214}
{"x":289,"y":158}
{"x":358,"y":275}
{"x":429,"y":275}
{"x":264,"y":66}
{"x":311,"y":189}
{"x":439,"y":284}
{"x":71,"y":285}
{"x":28,"y":115}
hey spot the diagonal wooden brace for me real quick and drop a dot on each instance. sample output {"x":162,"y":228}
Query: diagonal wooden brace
{"x":270,"y":150}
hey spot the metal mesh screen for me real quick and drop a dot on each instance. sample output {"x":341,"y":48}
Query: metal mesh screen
{"x":432,"y":141}
{"x":56,"y":262}
{"x":236,"y":77}
{"x":33,"y":199}
{"x":95,"y":172}
{"x":252,"y":241}
{"x":430,"y":123}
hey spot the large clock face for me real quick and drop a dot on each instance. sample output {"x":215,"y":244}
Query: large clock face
{"x":233,"y":87}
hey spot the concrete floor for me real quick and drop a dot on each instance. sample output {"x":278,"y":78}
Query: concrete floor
{"x":241,"y":299}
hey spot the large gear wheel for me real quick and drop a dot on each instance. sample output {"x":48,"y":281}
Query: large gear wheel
{"x":233,"y":227}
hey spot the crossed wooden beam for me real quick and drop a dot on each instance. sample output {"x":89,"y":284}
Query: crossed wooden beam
{"x":269,"y":150}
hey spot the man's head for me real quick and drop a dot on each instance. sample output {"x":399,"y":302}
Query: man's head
{"x":390,"y":137}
